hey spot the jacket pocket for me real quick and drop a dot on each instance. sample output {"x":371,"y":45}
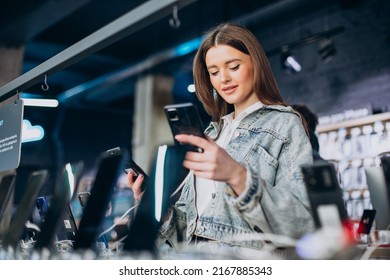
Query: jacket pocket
{"x":259,"y":159}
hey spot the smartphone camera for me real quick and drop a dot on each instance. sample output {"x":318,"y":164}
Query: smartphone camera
{"x":173,"y":114}
{"x":320,"y":177}
{"x":327,"y":178}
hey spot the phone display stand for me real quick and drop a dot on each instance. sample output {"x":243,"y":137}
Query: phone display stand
{"x":110,"y":165}
{"x":166,"y":173}
{"x":59,"y":208}
{"x":14,"y":234}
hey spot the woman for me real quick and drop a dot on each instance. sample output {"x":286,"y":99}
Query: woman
{"x":247,"y":180}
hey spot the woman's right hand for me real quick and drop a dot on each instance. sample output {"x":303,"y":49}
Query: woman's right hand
{"x":135,"y":183}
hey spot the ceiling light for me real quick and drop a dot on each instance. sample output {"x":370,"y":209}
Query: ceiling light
{"x":326,"y":50}
{"x":289,"y":62}
{"x":191,"y":88}
{"x":40,"y":102}
{"x":30,"y":99}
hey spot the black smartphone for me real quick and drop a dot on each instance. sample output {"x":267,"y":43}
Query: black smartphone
{"x":83,"y":198}
{"x":366,"y":221}
{"x":68,"y":227}
{"x":325,"y":194}
{"x":184,"y":118}
{"x":137,"y":171}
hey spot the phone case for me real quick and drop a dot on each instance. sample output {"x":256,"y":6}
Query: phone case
{"x":184,"y":118}
{"x":366,"y":221}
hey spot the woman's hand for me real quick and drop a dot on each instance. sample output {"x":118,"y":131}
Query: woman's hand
{"x":135,"y":184}
{"x":214,"y":163}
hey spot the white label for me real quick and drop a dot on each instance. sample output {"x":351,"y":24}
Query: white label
{"x":329,"y":216}
{"x":67,"y":224}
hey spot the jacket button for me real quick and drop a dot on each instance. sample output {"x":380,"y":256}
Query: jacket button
{"x":236,"y":133}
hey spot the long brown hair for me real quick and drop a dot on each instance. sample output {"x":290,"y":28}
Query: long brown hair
{"x":245,"y":41}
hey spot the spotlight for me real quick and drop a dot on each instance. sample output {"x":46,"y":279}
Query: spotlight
{"x":191,"y":88}
{"x":289,"y":62}
{"x":326,"y":50}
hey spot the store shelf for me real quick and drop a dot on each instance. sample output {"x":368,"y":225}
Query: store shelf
{"x":353,"y":123}
{"x":353,"y":146}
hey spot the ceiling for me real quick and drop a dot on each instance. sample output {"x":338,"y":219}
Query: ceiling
{"x":107,"y":74}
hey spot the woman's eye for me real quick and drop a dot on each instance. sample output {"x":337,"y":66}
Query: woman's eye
{"x":214,"y":73}
{"x":235,"y":67}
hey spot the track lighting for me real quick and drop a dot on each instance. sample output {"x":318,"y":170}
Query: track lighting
{"x":289,"y":62}
{"x":326,"y":49}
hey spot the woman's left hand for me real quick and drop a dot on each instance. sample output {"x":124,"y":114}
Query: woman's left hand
{"x":213,"y":163}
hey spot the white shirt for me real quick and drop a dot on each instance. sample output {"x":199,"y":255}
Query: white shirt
{"x":205,"y":188}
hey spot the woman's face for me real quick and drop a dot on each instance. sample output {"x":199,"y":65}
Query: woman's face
{"x":231,"y":74}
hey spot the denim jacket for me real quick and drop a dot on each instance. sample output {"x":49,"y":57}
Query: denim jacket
{"x":271,"y":143}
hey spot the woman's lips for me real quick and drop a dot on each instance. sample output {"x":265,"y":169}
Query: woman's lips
{"x":229,"y":89}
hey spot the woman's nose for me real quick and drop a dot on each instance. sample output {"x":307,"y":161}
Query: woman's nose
{"x":225,"y":77}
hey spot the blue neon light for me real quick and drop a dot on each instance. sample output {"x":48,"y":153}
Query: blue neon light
{"x":188,"y":46}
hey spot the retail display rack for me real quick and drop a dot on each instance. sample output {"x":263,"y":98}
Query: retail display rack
{"x":354,"y":145}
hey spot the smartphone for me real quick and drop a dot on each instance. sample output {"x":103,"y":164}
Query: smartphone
{"x":366,"y":221}
{"x":325,"y":195}
{"x":137,"y":171}
{"x":184,"y":118}
{"x":83,"y":198}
